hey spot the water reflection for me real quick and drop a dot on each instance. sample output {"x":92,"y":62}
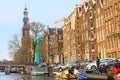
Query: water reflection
{"x":38,"y":78}
{"x":43,"y":78}
{"x":24,"y":77}
{"x":27,"y":77}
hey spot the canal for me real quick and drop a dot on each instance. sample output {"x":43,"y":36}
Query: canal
{"x":17,"y":76}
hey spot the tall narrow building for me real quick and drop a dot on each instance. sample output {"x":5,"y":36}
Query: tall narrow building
{"x":26,"y":37}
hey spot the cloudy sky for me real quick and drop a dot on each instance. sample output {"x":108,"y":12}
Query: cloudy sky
{"x":44,"y":11}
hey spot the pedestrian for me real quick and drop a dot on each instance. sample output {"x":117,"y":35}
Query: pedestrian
{"x":101,"y":69}
{"x":104,"y":69}
{"x":97,"y":63}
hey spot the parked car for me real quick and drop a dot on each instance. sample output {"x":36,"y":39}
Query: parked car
{"x":118,"y":59}
{"x":83,"y":64}
{"x":93,"y":66}
{"x":74,"y":64}
{"x":113,"y":61}
{"x":60,"y":67}
{"x":71,"y":64}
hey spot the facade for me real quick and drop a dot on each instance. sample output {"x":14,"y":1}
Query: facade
{"x":53,"y":39}
{"x":97,"y":29}
{"x":69,"y":48}
{"x":92,"y":31}
{"x":53,"y":51}
{"x":59,"y":39}
{"x":72,"y":36}
{"x":66,"y":41}
{"x":112,"y":27}
{"x":87,"y":32}
{"x":83,"y":33}
{"x":92,"y":37}
{"x":100,"y":30}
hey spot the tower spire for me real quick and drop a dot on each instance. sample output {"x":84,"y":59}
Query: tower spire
{"x":25,"y":13}
{"x":25,"y":8}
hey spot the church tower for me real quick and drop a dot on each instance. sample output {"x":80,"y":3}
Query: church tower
{"x":25,"y":21}
{"x":25,"y":30}
{"x":26,"y":36}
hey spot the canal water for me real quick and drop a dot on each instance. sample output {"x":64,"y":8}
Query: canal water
{"x":17,"y":76}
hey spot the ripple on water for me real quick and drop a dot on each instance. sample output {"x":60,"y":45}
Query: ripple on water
{"x":14,"y":76}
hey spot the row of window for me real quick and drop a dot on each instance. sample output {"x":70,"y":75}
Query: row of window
{"x":101,"y":35}
{"x":85,"y":25}
{"x":99,"y":21}
{"x":101,"y":50}
{"x":111,"y":55}
{"x":117,"y":23}
{"x":109,"y":26}
{"x":117,"y":7}
{"x":118,"y":40}
{"x":106,"y":2}
{"x":111,"y":42}
{"x":85,"y":35}
{"x":108,"y":12}
{"x":87,"y":47}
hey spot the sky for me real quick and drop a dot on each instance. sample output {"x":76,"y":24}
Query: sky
{"x":43,"y":11}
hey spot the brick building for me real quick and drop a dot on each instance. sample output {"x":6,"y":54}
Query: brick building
{"x":112,"y":27}
{"x":85,"y":32}
{"x":97,"y":29}
{"x":53,"y":40}
{"x":69,"y":48}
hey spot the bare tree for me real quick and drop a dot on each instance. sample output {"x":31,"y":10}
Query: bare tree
{"x":18,"y":53}
{"x":37,"y":29}
{"x":14,"y":45}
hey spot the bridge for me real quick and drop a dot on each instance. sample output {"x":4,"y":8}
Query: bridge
{"x":21,"y":64}
{"x":21,"y":67}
